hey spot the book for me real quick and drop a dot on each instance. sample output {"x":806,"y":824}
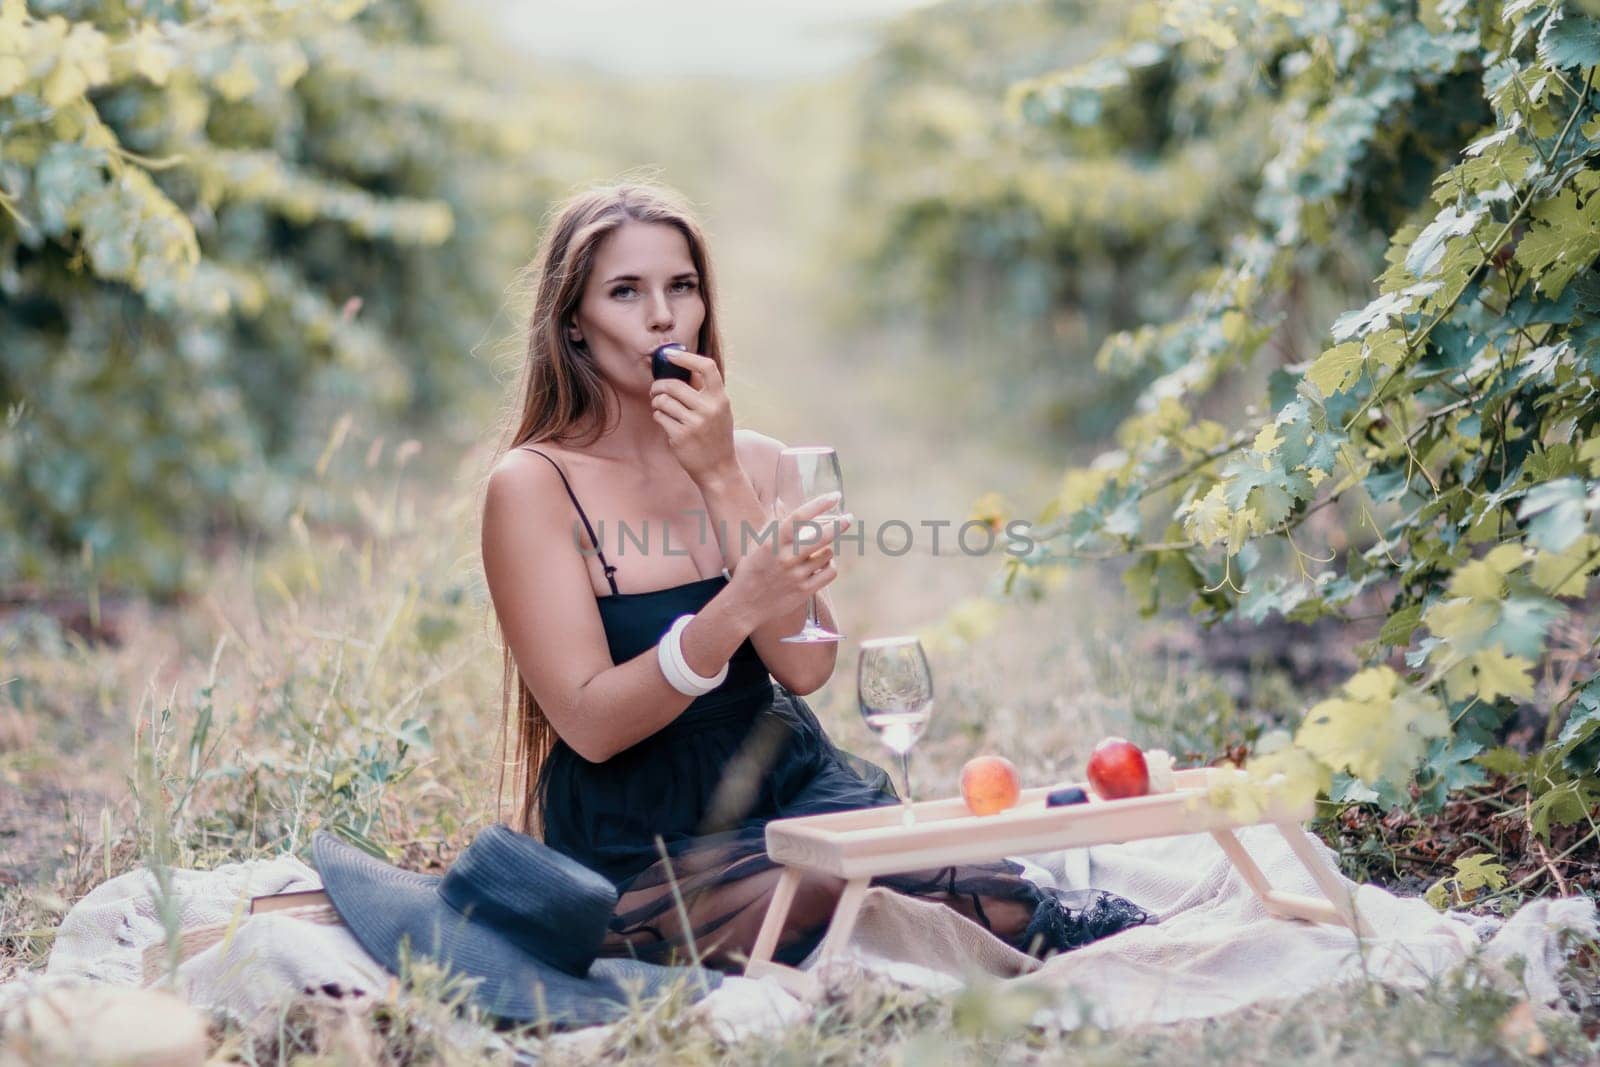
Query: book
{"x":302,"y":898}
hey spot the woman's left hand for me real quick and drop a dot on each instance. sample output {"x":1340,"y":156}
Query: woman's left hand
{"x":696,"y":416}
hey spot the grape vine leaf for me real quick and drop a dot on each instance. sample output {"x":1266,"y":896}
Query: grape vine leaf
{"x":1564,"y":237}
{"x":1478,"y":871}
{"x":1566,"y":804}
{"x":1566,"y":572}
{"x":1427,"y":252}
{"x":1490,"y":674}
{"x":1558,"y":512}
{"x":1377,"y":729}
{"x":1337,"y":369}
{"x":1399,"y":627}
{"x":1573,"y":41}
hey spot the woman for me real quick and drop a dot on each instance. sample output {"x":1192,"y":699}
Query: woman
{"x":618,"y":761}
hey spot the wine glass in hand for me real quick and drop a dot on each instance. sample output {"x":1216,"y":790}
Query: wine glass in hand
{"x":805,"y":474}
{"x":895,"y":688}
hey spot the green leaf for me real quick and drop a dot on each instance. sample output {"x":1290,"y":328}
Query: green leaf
{"x":1346,"y":789}
{"x":1378,"y":314}
{"x":1377,"y":729}
{"x":1559,"y":513}
{"x":1264,"y":596}
{"x":1563,"y":239}
{"x":1504,"y":164}
{"x":1447,"y":767}
{"x":1399,"y":627}
{"x":1479,"y":871}
{"x":1337,"y":369}
{"x":1502,"y":760}
{"x":1490,"y":674}
{"x":1572,"y":41}
{"x":1566,"y":572}
{"x":1271,"y":504}
{"x":360,"y":840}
{"x":1523,"y":623}
{"x":1384,"y":485}
{"x":1427,"y":251}
{"x":413,"y":733}
{"x":1579,"y":741}
{"x":1565,"y":805}
{"x":1583,"y":723}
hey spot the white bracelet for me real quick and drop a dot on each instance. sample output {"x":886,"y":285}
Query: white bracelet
{"x":679,"y":675}
{"x":688,"y":673}
{"x":677,"y":670}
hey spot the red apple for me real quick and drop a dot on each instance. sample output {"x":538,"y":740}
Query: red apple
{"x":1117,"y":769}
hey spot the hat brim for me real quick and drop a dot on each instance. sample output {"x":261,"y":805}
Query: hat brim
{"x":385,"y":906}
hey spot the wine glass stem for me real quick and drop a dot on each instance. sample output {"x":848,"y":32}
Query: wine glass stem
{"x":905,"y":771}
{"x":811,"y":613}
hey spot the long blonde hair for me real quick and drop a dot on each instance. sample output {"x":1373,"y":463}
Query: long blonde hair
{"x":563,"y":400}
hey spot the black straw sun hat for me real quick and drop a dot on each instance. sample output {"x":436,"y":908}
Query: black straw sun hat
{"x":510,"y":911}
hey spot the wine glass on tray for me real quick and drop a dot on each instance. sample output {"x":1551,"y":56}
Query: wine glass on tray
{"x":894,"y":686}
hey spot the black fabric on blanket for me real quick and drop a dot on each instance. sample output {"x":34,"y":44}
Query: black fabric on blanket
{"x":702,"y":790}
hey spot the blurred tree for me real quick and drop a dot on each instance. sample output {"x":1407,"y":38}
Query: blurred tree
{"x":1030,"y":214}
{"x":222,"y":223}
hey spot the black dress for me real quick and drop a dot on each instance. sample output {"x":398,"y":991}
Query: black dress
{"x":686,"y":809}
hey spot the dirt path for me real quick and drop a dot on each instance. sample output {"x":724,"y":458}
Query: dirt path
{"x":794,"y":375}
{"x":799,"y":378}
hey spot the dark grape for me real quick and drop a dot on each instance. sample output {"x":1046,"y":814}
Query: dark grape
{"x":1062,"y":797}
{"x":662,"y":367}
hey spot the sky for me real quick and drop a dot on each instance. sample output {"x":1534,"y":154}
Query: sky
{"x":762,"y":40}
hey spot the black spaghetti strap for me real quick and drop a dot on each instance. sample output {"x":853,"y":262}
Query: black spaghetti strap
{"x":609,"y":569}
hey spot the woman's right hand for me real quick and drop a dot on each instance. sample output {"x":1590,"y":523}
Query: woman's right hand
{"x":778,"y":575}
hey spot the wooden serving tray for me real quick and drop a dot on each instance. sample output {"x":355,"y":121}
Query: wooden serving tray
{"x":862,"y":844}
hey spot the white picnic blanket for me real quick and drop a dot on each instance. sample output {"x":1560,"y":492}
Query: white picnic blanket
{"x":269,"y":959}
{"x":1214,"y":950}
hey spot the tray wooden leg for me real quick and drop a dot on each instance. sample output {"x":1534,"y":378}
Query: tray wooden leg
{"x":1295,"y":905}
{"x":845,"y":912}
{"x":844,"y":918}
{"x":1235,"y":852}
{"x":1327,"y":879}
{"x":777,"y":910}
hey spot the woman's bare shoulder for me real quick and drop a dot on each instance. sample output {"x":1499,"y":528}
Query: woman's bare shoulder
{"x":526,"y":536}
{"x":758,"y":455}
{"x":745,"y":437}
{"x":532,"y":450}
{"x":752,"y":444}
{"x":523,"y":483}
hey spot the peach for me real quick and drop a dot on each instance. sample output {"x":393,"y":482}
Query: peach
{"x":989,"y":784}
